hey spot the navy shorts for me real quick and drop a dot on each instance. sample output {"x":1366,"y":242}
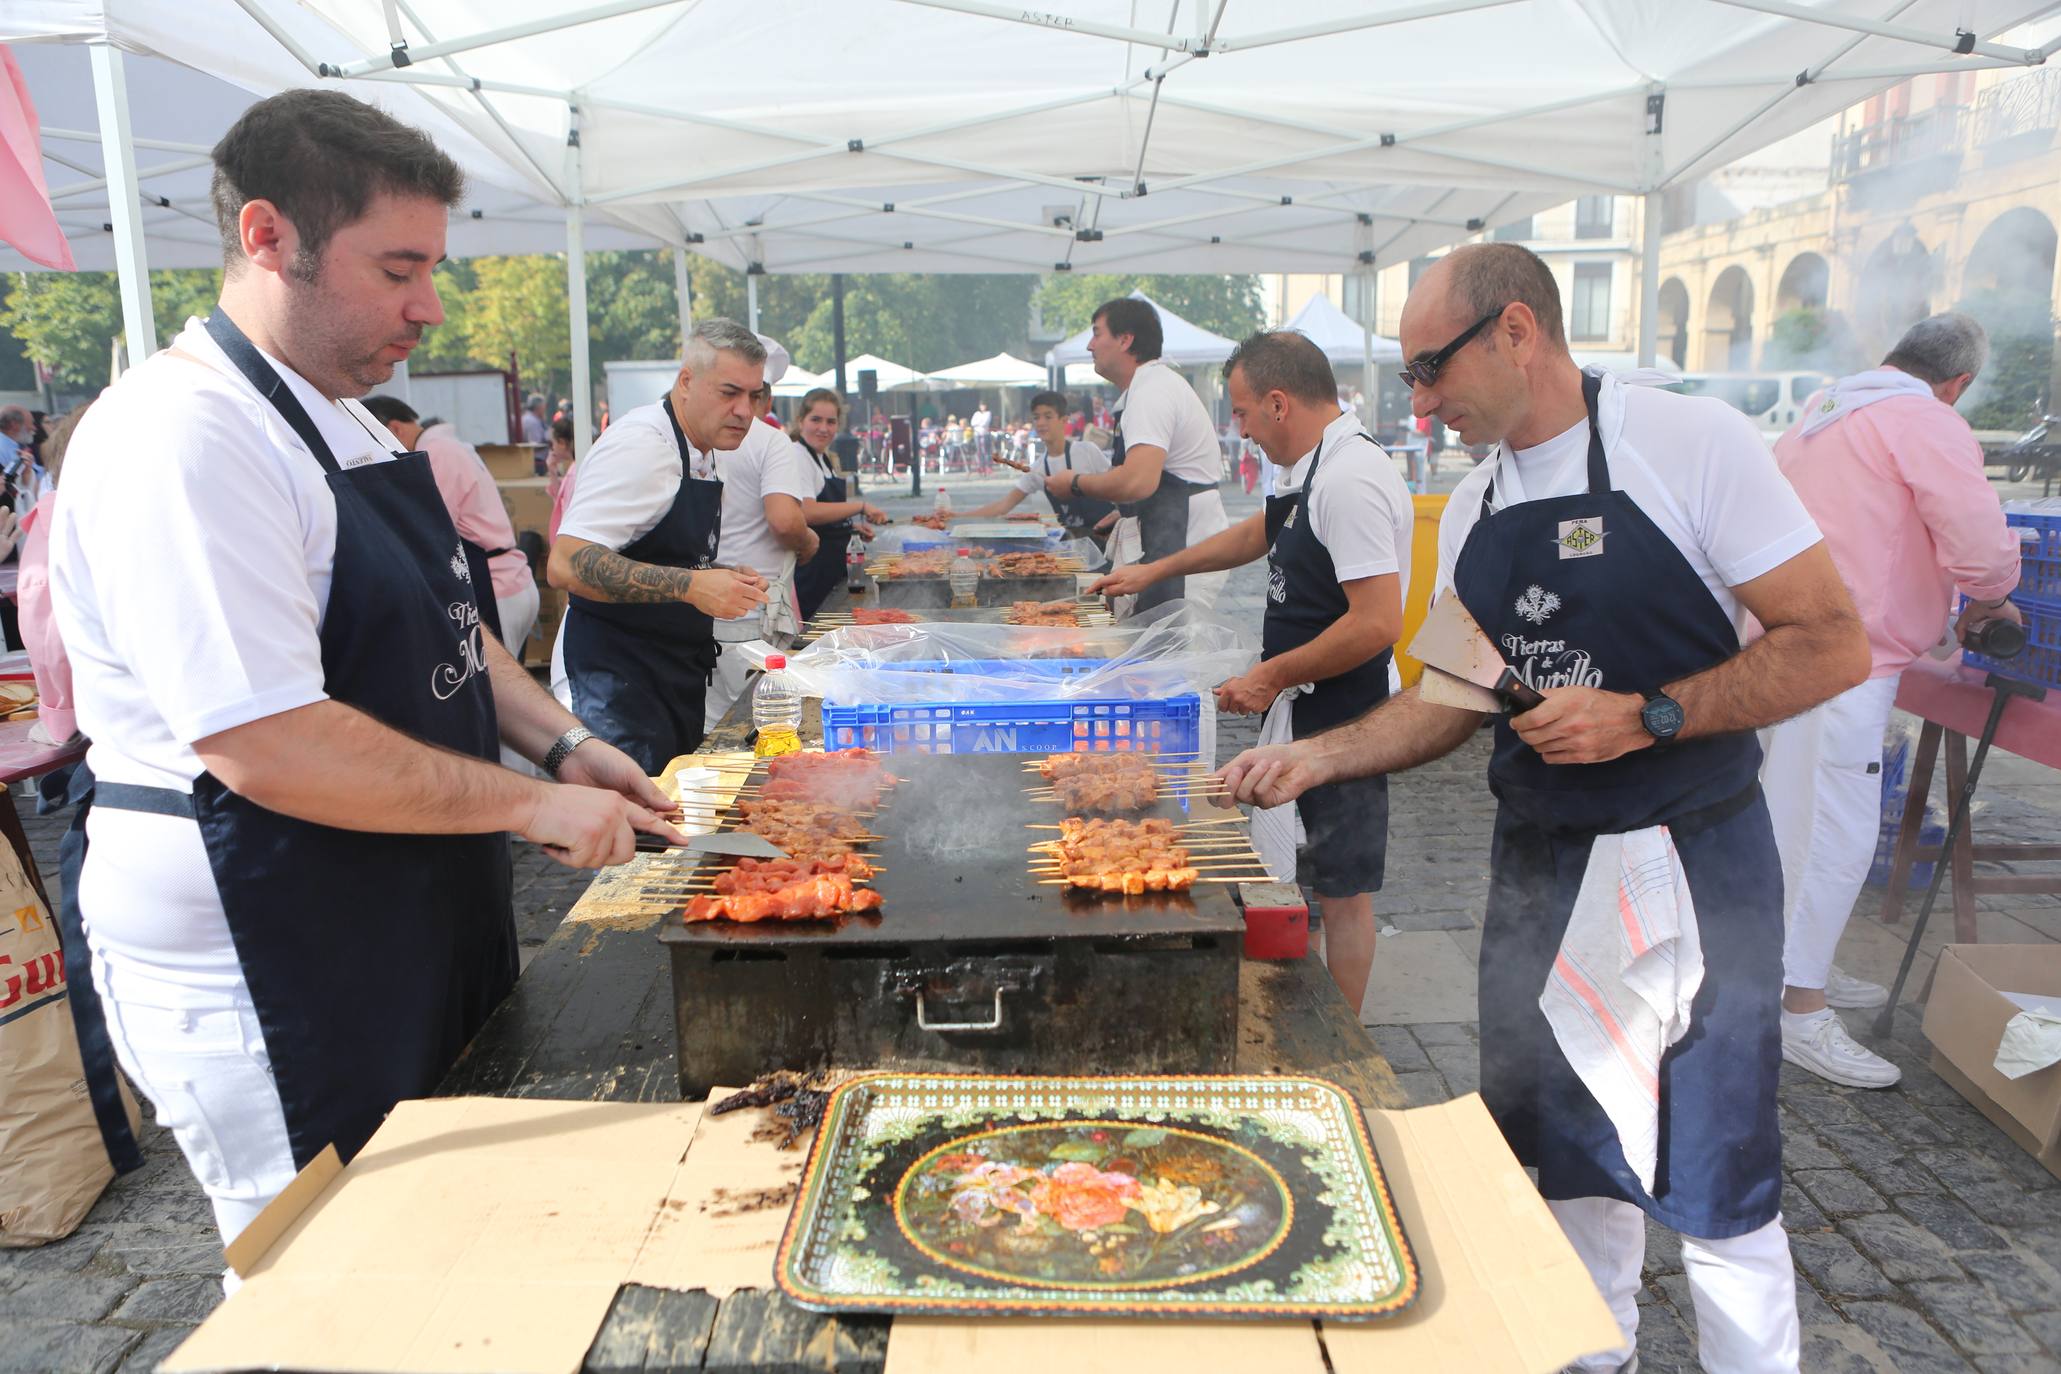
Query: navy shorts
{"x":1346,"y":827}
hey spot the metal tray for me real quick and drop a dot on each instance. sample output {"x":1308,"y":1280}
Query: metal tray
{"x":1213,"y":1197}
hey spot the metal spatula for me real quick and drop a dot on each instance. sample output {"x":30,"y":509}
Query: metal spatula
{"x":1451,"y":641}
{"x":722,"y":842}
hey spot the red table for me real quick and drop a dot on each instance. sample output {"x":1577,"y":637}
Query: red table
{"x":1954,"y":704}
{"x":22,"y":758}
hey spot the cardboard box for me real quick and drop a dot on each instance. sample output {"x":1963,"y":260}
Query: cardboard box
{"x":508,"y":462}
{"x":1965,"y":1019}
{"x":529,"y":503}
{"x":478,"y":1235}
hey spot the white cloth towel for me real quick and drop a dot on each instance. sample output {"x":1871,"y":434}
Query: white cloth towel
{"x":1277,"y":830}
{"x":1849,"y":394}
{"x":1619,"y":991}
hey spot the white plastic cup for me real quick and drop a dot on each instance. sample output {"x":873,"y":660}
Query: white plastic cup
{"x":699,"y":792}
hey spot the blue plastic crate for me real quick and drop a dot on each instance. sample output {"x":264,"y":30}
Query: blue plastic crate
{"x":2041,"y":661}
{"x":1053,"y":536}
{"x":1164,"y":725}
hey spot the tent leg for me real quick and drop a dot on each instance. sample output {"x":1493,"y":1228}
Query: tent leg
{"x":837,"y":330}
{"x":751,"y":302}
{"x":576,"y":298}
{"x":125,"y":208}
{"x":683,"y":291}
{"x":1649,"y":278}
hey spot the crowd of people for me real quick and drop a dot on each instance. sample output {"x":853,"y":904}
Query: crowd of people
{"x":289,"y":874}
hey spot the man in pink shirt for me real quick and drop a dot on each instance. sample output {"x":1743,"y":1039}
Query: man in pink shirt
{"x":1893,"y":477}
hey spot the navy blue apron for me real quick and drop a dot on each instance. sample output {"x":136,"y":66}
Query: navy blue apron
{"x":1162,"y":523}
{"x":817,"y":578}
{"x":640,"y":671}
{"x":1082,"y":514}
{"x":372,"y":959}
{"x":1304,"y":599}
{"x":1585,"y":590}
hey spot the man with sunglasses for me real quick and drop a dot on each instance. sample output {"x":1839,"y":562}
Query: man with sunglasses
{"x":1613,"y":548}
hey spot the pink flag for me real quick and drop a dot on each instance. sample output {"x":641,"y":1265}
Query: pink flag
{"x":26,"y":219}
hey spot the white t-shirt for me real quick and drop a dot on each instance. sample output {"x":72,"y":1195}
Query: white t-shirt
{"x":815,"y":471}
{"x":1360,"y":511}
{"x":629,"y":479}
{"x":767,"y":463}
{"x":1697,"y":468}
{"x":1163,"y":411}
{"x":1086,"y":458}
{"x":191,"y":557}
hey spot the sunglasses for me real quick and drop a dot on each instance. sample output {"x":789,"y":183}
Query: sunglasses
{"x":1424,"y":371}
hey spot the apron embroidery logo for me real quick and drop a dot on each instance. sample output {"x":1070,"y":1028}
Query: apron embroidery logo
{"x":1582,"y":538}
{"x":1277,"y":586}
{"x":459,"y":566}
{"x":1536,"y":604}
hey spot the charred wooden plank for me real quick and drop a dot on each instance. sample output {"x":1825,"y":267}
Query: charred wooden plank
{"x":1292,"y":1019}
{"x":759,"y":1330}
{"x":652,"y":1331}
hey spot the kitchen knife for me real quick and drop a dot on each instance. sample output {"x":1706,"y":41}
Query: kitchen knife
{"x":722,"y":842}
{"x":1443,"y":689}
{"x":1451,"y":641}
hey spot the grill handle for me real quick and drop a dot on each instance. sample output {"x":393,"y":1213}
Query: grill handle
{"x":924,"y":1022}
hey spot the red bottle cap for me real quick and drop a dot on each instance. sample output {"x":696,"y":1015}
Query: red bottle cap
{"x":776,"y":660}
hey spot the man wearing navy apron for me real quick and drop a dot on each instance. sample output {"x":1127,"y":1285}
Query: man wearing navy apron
{"x":296,"y":886}
{"x":1612,"y":548}
{"x":1166,"y":464}
{"x":637,"y":551}
{"x":1083,"y":517}
{"x":835,"y":514}
{"x":1337,"y":545}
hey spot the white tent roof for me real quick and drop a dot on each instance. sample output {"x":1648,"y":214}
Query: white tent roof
{"x":1320,"y":135}
{"x":797,"y":382}
{"x":1184,"y":345}
{"x":889,"y":376}
{"x":1341,"y":336}
{"x":1004,"y":369}
{"x":1084,"y":374}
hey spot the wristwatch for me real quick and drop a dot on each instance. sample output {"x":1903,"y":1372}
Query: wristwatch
{"x":562,"y":747}
{"x":1662,"y":717}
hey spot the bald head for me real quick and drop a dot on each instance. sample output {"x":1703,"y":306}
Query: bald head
{"x":1478,"y":278}
{"x":1485,"y":318}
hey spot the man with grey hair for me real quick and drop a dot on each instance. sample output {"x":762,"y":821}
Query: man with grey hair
{"x":637,"y":552}
{"x":1338,"y":572}
{"x":1612,"y":548}
{"x":1893,"y":476}
{"x":536,"y":431}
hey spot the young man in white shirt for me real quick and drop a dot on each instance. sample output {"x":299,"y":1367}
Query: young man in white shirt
{"x":1166,"y":463}
{"x":1337,"y":544}
{"x":1083,"y":518}
{"x":296,"y":886}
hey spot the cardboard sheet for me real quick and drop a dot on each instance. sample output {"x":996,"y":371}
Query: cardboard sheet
{"x":930,"y":1345}
{"x":472,"y":1234}
{"x":720,"y":1225}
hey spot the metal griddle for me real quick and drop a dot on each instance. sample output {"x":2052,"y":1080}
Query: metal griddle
{"x":920,"y":593}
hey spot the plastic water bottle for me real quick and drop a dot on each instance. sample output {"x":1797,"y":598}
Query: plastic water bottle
{"x":965,"y":579}
{"x":943,"y":504}
{"x":776,"y":710}
{"x":855,"y":570}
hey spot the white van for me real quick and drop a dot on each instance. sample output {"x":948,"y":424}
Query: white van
{"x":1772,"y":400}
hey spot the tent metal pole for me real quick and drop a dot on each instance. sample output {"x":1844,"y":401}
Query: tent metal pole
{"x":155,"y":145}
{"x":1649,"y":277}
{"x":399,"y":7}
{"x":683,"y":294}
{"x":1327,"y":28}
{"x":80,"y":188}
{"x":1367,"y":345}
{"x":125,"y":211}
{"x":1016,"y":14}
{"x":837,"y":329}
{"x":1941,"y":67}
{"x":751,"y":300}
{"x":488,"y":38}
{"x":576,"y":299}
{"x":256,"y":9}
{"x":1876,"y":28}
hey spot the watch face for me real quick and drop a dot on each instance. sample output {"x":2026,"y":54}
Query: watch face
{"x":1662,"y":717}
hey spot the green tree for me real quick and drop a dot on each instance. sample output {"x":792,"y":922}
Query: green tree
{"x":518,"y":305}
{"x":69,"y":320}
{"x":2018,"y":378}
{"x":1810,"y":338}
{"x":1224,"y":304}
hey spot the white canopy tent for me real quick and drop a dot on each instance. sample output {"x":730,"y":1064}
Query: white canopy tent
{"x":797,"y":382}
{"x":1320,"y":135}
{"x":887,"y":376}
{"x":1343,"y":338}
{"x":1002,"y":370}
{"x":1184,"y":345}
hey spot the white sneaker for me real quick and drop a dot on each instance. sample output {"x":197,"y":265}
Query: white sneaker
{"x":1854,"y":994}
{"x":1820,"y":1044}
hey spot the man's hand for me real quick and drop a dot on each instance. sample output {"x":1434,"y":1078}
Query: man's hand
{"x":1583,"y":725}
{"x":864,"y":530}
{"x":726,"y":593}
{"x":1063,"y":485}
{"x":597,"y":763}
{"x":1128,"y":580}
{"x":1976,"y":613}
{"x":589,"y":827}
{"x":873,"y":515}
{"x":811,"y":541}
{"x":1248,"y":695}
{"x":1274,"y":775}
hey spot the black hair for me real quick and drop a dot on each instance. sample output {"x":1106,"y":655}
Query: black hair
{"x":389,"y":409}
{"x":1129,"y":315}
{"x":1054,"y":399}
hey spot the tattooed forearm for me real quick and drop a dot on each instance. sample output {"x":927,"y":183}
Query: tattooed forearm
{"x":606,"y":575}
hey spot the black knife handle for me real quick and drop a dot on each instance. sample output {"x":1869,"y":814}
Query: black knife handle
{"x":1521,"y":695}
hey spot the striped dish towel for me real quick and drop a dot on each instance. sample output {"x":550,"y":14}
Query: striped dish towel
{"x":1619,"y":993}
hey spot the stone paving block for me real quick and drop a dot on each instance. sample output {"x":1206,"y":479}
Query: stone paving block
{"x":1839,"y":1270}
{"x":2045,"y":1328}
{"x":1900,"y":1176}
{"x":1801,"y":1148}
{"x":185,"y":1300}
{"x":162,"y":1251}
{"x":2015,"y":1364}
{"x":1902,"y":1249}
{"x":1973,"y":1318}
{"x":1899,"y":1117}
{"x":1399,"y":1048}
{"x":1836,"y":1348}
{"x":1666,"y":1341}
{"x":1424,"y":1088}
{"x":1663,"y":1249}
{"x":1989,"y":1190}
{"x":67,"y":1256}
{"x":153,"y":1348}
{"x":1839,"y":1192}
{"x":1914,"y":1346}
{"x":1446,"y":1033}
{"x":66,"y":1298}
{"x":1459,"y":1065}
{"x":31,"y":1347}
{"x":1799,"y":1213}
{"x":1861,"y":1142}
{"x":1417,"y":920}
{"x":1951,"y":1221}
{"x":2023,"y":1281}
{"x":1817,"y":1101}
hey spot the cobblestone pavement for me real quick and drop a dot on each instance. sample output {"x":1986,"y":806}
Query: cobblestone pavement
{"x":1924,"y":1239}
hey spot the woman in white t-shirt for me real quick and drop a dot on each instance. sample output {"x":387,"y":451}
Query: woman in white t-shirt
{"x":1055,"y":453}
{"x":832,"y":512}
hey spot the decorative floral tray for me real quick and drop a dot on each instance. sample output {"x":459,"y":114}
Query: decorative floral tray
{"x":1220,"y":1197}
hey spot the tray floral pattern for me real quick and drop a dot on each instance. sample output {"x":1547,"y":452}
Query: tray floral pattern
{"x":1144,"y":1196}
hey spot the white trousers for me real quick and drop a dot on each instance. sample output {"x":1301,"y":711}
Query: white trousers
{"x":518,"y":617}
{"x":1744,"y":1288}
{"x":1823,"y":779}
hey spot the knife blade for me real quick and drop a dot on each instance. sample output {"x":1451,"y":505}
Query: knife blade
{"x":1452,"y":641}
{"x":736,"y":842}
{"x":1443,"y":689}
